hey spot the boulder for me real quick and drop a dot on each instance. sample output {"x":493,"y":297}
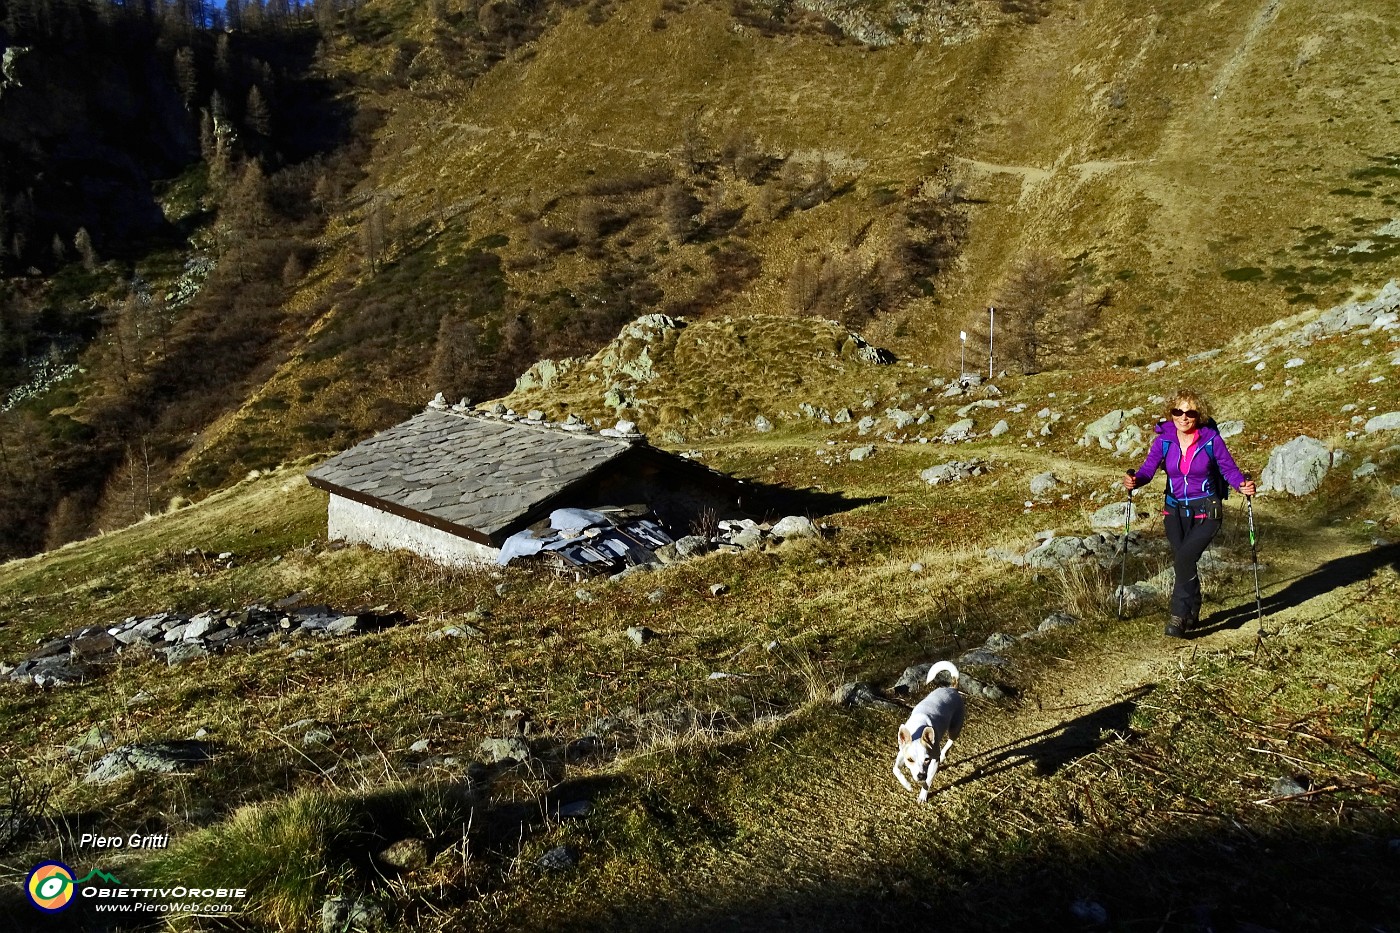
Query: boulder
{"x":1056,"y":620}
{"x":158,"y":758}
{"x":406,"y":855}
{"x":958,"y":430}
{"x":1390,"y":421}
{"x":863,"y":453}
{"x":1297,"y":467}
{"x":913,"y":679}
{"x":1115,"y":516}
{"x":1042,"y":483}
{"x":795,"y":526}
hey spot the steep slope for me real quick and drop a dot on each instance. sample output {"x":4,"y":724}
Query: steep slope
{"x":1124,"y":180}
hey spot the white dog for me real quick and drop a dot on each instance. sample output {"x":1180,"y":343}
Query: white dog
{"x":925,"y":738}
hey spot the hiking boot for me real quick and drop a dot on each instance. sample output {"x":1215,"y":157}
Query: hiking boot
{"x":1176,"y":627}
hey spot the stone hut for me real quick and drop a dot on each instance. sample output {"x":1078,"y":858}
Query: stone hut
{"x":453,"y":485}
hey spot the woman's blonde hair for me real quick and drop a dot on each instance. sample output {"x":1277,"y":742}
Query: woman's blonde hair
{"x":1188,"y":399}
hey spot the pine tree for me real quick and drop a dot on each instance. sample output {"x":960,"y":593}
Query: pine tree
{"x":82,"y":242}
{"x":256,"y":113}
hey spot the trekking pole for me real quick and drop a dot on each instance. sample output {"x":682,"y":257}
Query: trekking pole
{"x":1123,"y":571}
{"x":1254,"y":558}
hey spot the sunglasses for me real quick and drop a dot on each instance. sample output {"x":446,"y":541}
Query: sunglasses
{"x":1190,"y":413}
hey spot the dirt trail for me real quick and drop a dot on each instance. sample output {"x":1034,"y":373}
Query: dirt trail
{"x":838,"y":821}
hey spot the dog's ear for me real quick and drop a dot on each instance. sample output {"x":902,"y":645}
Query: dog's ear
{"x":928,"y":738}
{"x":904,"y":736}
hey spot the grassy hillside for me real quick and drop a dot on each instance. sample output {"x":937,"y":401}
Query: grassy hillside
{"x":1118,"y":774}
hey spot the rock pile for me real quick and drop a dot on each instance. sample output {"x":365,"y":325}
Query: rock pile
{"x":740,"y":534}
{"x":85,"y":652}
{"x":1054,"y":551}
{"x":953,"y":471}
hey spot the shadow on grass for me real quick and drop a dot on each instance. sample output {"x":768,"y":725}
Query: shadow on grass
{"x":488,"y":827}
{"x":1333,"y":575}
{"x":1226,"y":881}
{"x":1051,"y":749}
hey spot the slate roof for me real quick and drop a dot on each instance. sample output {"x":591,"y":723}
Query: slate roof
{"x":462,"y":473}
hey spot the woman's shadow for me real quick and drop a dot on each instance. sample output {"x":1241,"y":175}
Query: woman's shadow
{"x":1332,"y":575}
{"x":1051,"y":749}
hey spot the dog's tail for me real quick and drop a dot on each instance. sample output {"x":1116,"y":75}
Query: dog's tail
{"x":948,"y":666}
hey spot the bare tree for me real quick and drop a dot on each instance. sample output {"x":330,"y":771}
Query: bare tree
{"x":1031,"y":324}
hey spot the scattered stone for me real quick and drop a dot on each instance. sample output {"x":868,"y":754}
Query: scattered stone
{"x":317,"y":736}
{"x":456,"y":631}
{"x":862,"y":695}
{"x":718,"y":589}
{"x":952,"y":471}
{"x":1056,"y":620}
{"x":998,"y":640}
{"x":1230,"y":428}
{"x":1089,"y":911}
{"x":406,"y":855}
{"x":1136,"y":597}
{"x":419,"y":747}
{"x":96,"y":737}
{"x":350,"y":915}
{"x":1289,"y":786}
{"x":982,"y":657}
{"x":762,"y":424}
{"x":1106,"y":430}
{"x":976,"y":688}
{"x":640,"y":634}
{"x":862,"y":453}
{"x":575,"y":809}
{"x":916,"y":567}
{"x":1000,"y":428}
{"x":560,"y":858}
{"x":511,"y":748}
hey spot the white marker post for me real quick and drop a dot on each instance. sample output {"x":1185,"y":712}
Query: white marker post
{"x":962,"y":367}
{"x":991,"y":334}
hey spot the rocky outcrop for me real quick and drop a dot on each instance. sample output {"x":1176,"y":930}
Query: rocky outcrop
{"x":1297,"y":467}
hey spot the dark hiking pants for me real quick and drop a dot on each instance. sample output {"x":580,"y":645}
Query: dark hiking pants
{"x":1189,"y":537}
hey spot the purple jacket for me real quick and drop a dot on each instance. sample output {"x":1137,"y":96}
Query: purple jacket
{"x":1194,"y":479}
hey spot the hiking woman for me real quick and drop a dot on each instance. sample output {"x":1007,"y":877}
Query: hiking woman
{"x":1198,"y":465}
